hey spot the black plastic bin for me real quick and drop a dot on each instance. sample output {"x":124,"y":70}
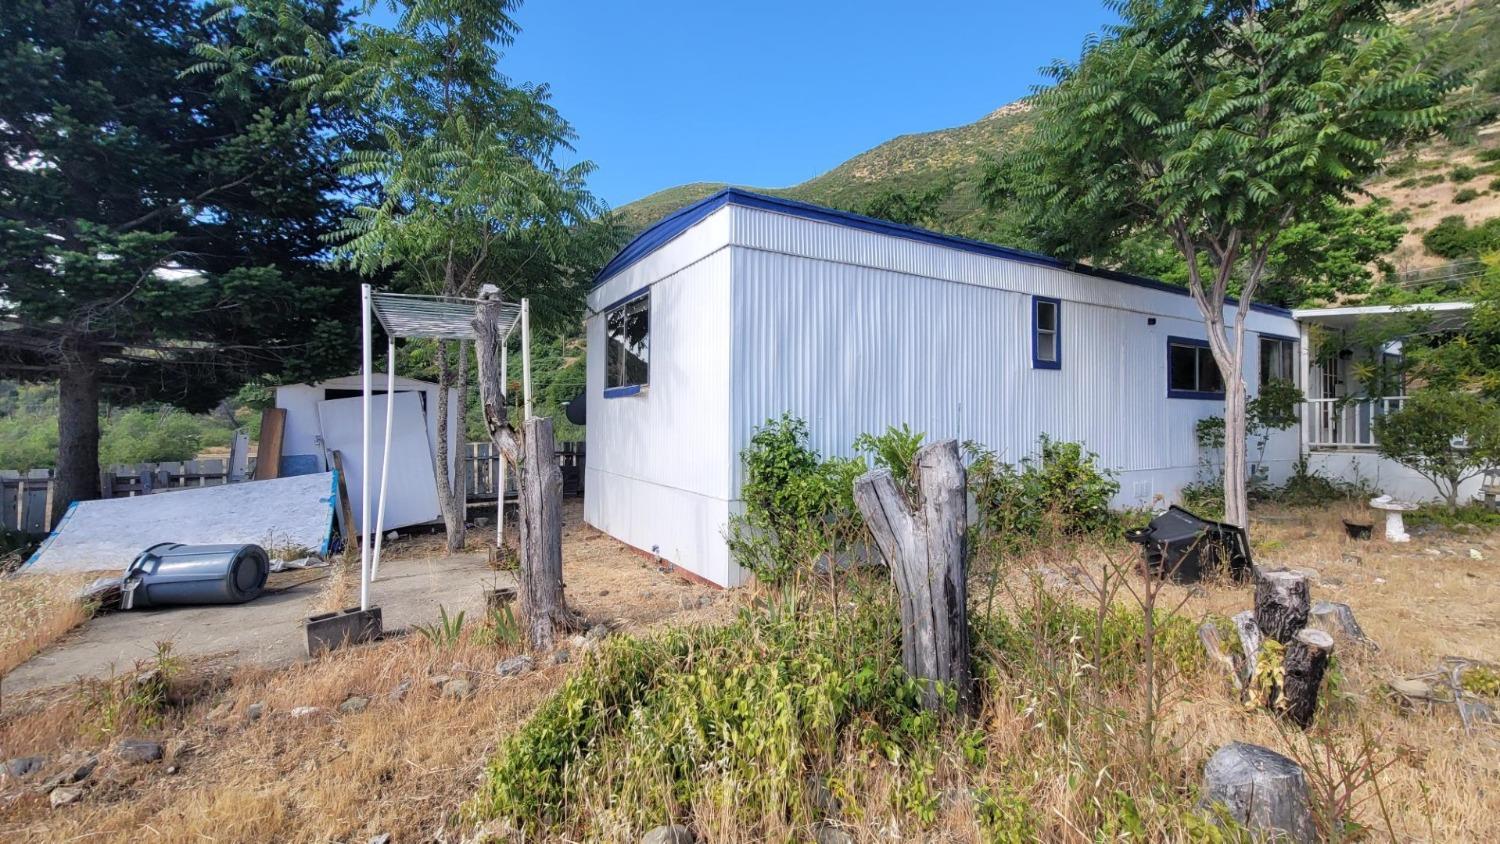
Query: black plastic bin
{"x":1186,"y":548}
{"x":170,"y":573}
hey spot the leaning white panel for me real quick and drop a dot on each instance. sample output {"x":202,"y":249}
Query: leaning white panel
{"x":107,"y":535}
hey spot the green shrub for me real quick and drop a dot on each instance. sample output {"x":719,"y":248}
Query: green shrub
{"x":1495,"y":184}
{"x":798,"y":505}
{"x":1059,"y":492}
{"x":1462,"y":173}
{"x":1492,"y":154}
{"x":1446,"y":436}
{"x":894,"y":450}
{"x":1465,"y":195}
{"x":143,"y":435}
{"x":1454,"y":238}
{"x":728,"y":719}
{"x":1307,"y":488}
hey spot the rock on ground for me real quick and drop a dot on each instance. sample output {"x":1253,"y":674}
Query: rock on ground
{"x":139,"y":750}
{"x":458,"y":689}
{"x":23,"y":766}
{"x":672,"y":834}
{"x":354,"y":705}
{"x":514,"y":666}
{"x":62,"y":796}
{"x":1261,"y":789}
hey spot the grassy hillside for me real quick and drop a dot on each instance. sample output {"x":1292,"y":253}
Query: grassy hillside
{"x":957,"y":156}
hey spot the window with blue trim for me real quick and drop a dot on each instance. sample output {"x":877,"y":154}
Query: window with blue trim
{"x":1046,"y":333}
{"x":1192,"y":372}
{"x":627,"y":338}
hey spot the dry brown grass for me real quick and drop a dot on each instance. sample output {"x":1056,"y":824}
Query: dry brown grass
{"x":403,"y":766}
{"x":35,"y":611}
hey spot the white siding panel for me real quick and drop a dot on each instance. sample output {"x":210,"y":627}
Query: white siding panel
{"x":693,"y":245}
{"x":658,"y":467}
{"x":852,"y":349}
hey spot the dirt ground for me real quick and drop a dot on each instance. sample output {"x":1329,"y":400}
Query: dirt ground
{"x":402,"y":765}
{"x":370,"y":741}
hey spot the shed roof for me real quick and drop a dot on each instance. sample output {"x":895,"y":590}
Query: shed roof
{"x":669,"y":227}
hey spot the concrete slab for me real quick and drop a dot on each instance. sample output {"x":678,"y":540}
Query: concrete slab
{"x":266,"y":631}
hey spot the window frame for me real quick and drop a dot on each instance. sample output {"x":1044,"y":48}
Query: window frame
{"x":1199,"y":346}
{"x":1037,"y":362}
{"x":623,"y":390}
{"x":1292,"y":356}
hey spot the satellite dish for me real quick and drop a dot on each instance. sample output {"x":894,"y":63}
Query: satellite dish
{"x":577,"y":409}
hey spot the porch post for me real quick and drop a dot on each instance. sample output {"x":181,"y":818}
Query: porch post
{"x":1304,"y":370}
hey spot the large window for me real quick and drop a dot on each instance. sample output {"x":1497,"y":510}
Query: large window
{"x":1277,"y":359}
{"x":1191,"y":370}
{"x":1046,"y":333}
{"x":627,"y":356}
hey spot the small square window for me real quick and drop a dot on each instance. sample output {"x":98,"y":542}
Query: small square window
{"x":1046,"y":333}
{"x":1192,"y":372}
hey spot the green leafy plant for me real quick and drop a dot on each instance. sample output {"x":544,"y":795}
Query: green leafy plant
{"x":1059,"y":492}
{"x":797,"y":503}
{"x":445,"y":632}
{"x":894,"y":450}
{"x":137,"y":699}
{"x":501,"y":627}
{"x":1445,"y":436}
{"x":1462,"y":173}
{"x":1465,"y":195}
{"x":1481,"y":681}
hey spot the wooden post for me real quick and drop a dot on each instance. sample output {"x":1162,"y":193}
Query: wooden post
{"x":539,"y":491}
{"x":1281,"y":604}
{"x":1306,"y":660}
{"x":924,"y":544}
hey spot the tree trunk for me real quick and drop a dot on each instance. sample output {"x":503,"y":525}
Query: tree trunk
{"x":924,"y":544}
{"x":1281,"y":604}
{"x":77,"y":476}
{"x":460,"y":489}
{"x":453,"y":514}
{"x":1236,"y":460}
{"x":539,"y":481}
{"x":1306,"y":660}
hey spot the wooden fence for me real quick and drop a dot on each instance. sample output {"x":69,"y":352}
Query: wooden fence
{"x":26,"y":503}
{"x":482,"y":468}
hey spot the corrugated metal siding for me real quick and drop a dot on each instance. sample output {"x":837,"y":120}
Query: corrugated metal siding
{"x":852,"y":345}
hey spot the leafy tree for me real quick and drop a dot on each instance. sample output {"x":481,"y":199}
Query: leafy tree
{"x":922,"y":208}
{"x":1446,"y":436}
{"x":160,"y":235}
{"x":1219,"y":125}
{"x":1453,"y":238}
{"x":469,"y":188}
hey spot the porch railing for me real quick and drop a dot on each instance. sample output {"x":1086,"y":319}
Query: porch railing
{"x":1346,"y":422}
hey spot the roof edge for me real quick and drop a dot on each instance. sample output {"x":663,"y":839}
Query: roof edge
{"x":666,"y":229}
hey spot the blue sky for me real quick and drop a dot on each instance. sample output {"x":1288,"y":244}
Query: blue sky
{"x":772,"y":93}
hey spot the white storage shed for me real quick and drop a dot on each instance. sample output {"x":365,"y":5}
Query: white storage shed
{"x":743,"y":306}
{"x":328,"y":416}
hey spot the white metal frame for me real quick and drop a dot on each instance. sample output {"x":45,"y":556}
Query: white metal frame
{"x":433,"y":317}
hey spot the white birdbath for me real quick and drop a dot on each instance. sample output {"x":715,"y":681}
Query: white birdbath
{"x":1395,"y":526}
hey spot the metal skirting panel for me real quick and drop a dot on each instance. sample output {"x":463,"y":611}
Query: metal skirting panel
{"x":680,"y":527}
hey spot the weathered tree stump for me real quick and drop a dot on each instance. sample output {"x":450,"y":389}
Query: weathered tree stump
{"x":1261,"y":789}
{"x":1305,"y":662}
{"x":539,"y":480}
{"x":1338,"y":620}
{"x":1250,"y":640}
{"x":924,"y":544}
{"x":1281,"y":603}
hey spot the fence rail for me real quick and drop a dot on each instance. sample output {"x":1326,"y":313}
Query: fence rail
{"x":482,"y":468}
{"x":1347,"y":422}
{"x":26,"y":503}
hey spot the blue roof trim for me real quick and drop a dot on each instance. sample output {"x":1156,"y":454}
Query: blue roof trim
{"x":670,"y":226}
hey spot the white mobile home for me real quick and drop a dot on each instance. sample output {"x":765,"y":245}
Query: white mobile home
{"x":742,"y":307}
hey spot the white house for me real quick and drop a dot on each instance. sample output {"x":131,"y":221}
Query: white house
{"x":742,"y":307}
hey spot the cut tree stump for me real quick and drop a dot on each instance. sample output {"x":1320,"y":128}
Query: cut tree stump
{"x":1261,"y":789}
{"x":923,"y":541}
{"x":544,"y":611}
{"x":1250,"y":640}
{"x":1338,"y":620}
{"x":1281,"y":603}
{"x":1305,"y":662}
